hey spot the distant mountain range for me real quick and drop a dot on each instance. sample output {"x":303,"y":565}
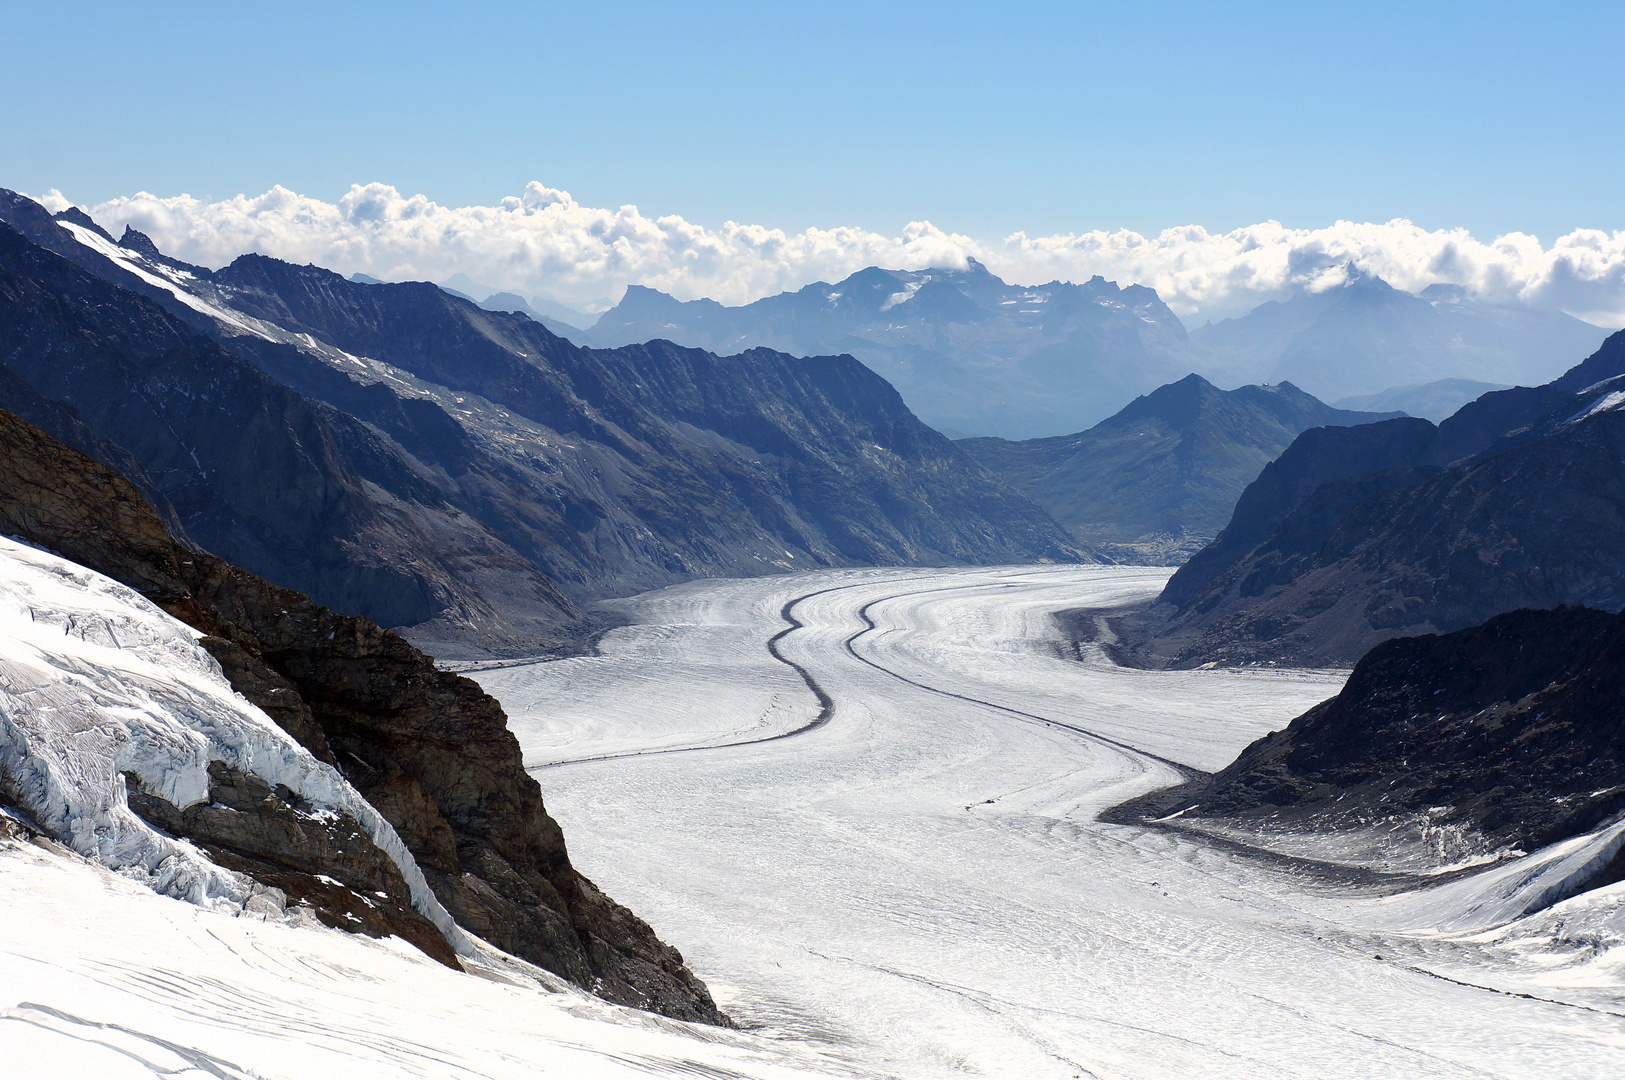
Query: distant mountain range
{"x":551,"y":313}
{"x":1364,"y":336}
{"x":1356,"y":535}
{"x":1431,"y":401}
{"x":969,"y":353}
{"x":974,"y":356}
{"x":398,"y":452}
{"x":1156,"y":482}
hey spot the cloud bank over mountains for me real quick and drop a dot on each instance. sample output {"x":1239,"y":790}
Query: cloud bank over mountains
{"x":545,"y":243}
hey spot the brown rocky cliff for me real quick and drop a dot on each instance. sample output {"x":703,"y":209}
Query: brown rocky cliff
{"x":430,"y":750}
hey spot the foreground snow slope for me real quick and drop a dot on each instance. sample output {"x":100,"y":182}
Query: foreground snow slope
{"x":97,"y":682}
{"x":100,"y":975}
{"x":919,"y":880}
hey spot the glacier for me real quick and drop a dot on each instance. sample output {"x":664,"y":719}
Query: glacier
{"x":922,"y":880}
{"x":864,"y":803}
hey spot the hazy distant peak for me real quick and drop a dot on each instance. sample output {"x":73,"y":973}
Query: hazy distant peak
{"x":641,"y":301}
{"x":1444,"y":293}
{"x":460,"y":284}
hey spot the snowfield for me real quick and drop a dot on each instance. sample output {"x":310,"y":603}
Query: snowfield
{"x":917,"y":881}
{"x":862,"y":803}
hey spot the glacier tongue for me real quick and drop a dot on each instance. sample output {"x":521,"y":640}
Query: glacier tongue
{"x":96,"y":681}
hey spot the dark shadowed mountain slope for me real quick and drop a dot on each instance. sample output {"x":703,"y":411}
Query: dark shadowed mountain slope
{"x":429,"y":750}
{"x":1363,"y":335}
{"x":1157,"y":481}
{"x":969,"y":353}
{"x":251,"y":468}
{"x":797,"y":461}
{"x":1506,"y":735}
{"x":1314,"y":458}
{"x":511,"y":468}
{"x":1357,"y":536}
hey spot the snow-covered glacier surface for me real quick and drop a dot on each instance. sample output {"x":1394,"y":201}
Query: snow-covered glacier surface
{"x":863,"y":804}
{"x":126,"y":953}
{"x":915,"y":878}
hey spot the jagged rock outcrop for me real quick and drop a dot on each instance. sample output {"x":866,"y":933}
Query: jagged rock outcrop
{"x":428,"y":749}
{"x":324,"y":861}
{"x":1512,"y":731}
{"x":1158,"y":480}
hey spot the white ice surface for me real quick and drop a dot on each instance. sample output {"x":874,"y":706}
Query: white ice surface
{"x":96,"y":681}
{"x":102,"y":977}
{"x":920,"y":883}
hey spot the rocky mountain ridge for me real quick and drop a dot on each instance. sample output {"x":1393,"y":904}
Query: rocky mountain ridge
{"x":464,"y":472}
{"x":1356,"y":535}
{"x":1497,"y":739}
{"x":1158,"y":480}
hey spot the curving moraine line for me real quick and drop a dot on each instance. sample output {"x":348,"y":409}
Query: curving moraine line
{"x":826,"y":704}
{"x":869,"y":625}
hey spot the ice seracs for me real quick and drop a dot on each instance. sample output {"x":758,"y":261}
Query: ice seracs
{"x":98,"y":684}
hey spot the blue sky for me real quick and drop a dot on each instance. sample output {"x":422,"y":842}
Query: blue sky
{"x":984,"y":119}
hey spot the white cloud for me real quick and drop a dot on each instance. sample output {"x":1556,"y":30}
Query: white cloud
{"x":544,"y":242}
{"x":1220,"y":274}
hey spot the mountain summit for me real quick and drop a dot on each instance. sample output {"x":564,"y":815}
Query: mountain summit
{"x":1364,"y":336}
{"x":1158,"y":480}
{"x":971,"y":354}
{"x":399,"y":452}
{"x":975,"y":356}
